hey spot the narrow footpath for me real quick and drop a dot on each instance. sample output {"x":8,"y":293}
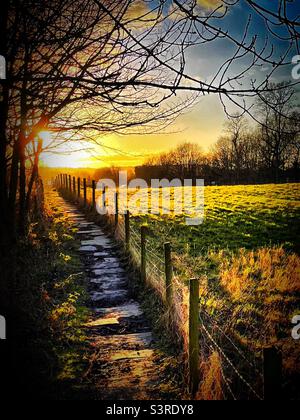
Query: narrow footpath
{"x":126,"y":362}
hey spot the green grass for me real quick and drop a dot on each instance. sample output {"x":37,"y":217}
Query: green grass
{"x":235,"y":217}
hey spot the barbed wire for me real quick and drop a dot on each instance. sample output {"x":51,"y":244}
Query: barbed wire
{"x":236,"y":348}
{"x":229,"y":362}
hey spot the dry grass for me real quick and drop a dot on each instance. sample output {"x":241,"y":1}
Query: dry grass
{"x":272,"y":269}
{"x":211,"y":386}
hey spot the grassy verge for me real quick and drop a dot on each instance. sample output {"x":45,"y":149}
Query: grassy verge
{"x":49,"y":347}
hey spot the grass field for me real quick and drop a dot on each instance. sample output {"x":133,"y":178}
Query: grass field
{"x":236,"y":217}
{"x":246,"y":254}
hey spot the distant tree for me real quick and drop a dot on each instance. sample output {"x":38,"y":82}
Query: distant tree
{"x":221,"y":158}
{"x":280,"y":127}
{"x":185,"y":161}
{"x":236,"y":129}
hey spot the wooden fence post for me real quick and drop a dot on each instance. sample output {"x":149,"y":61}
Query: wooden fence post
{"x":272,"y":374}
{"x":79,"y":187}
{"x":143,"y":253}
{"x":74,"y":185}
{"x":104,"y":197}
{"x":94,"y":194}
{"x":127,"y":229}
{"x":70,"y":183}
{"x":116,"y":209}
{"x":169,"y":274}
{"x":194,"y":374}
{"x":84,"y":192}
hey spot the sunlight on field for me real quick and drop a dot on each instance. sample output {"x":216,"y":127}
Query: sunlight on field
{"x":235,"y":217}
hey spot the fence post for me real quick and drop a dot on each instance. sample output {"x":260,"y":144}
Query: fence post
{"x":272,"y":374}
{"x":116,"y":209}
{"x":70,"y":183}
{"x":104,"y":197}
{"x":84,"y":192}
{"x":194,"y":374}
{"x":127,"y":229}
{"x":169,"y":274}
{"x":79,"y":187}
{"x":94,"y":194}
{"x":74,"y":185}
{"x":143,"y":253}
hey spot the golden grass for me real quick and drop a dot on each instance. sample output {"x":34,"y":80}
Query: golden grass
{"x":267,"y":268}
{"x":211,"y":387}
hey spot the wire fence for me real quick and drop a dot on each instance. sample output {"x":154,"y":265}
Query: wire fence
{"x":243,"y":373}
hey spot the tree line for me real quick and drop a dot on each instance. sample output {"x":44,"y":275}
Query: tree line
{"x":245,"y":153}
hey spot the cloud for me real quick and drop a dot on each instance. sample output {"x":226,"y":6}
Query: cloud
{"x":210,"y":4}
{"x":139,"y":10}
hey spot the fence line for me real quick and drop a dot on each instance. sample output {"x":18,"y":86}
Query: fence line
{"x":182,"y":302}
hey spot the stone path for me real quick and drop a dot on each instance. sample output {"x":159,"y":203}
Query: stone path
{"x":126,"y":363}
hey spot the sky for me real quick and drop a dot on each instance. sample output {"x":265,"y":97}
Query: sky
{"x":203,"y":124}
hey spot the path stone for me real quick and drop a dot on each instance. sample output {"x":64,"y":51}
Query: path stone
{"x":87,"y":248}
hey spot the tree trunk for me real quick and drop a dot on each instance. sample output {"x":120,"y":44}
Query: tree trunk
{"x":34,"y":176}
{"x":22,"y":188}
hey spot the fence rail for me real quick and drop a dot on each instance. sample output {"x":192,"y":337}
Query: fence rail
{"x":181,"y":300}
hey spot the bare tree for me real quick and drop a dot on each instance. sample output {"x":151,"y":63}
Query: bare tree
{"x":236,"y":129}
{"x":188,"y":25}
{"x":55,"y":54}
{"x":280,"y":128}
